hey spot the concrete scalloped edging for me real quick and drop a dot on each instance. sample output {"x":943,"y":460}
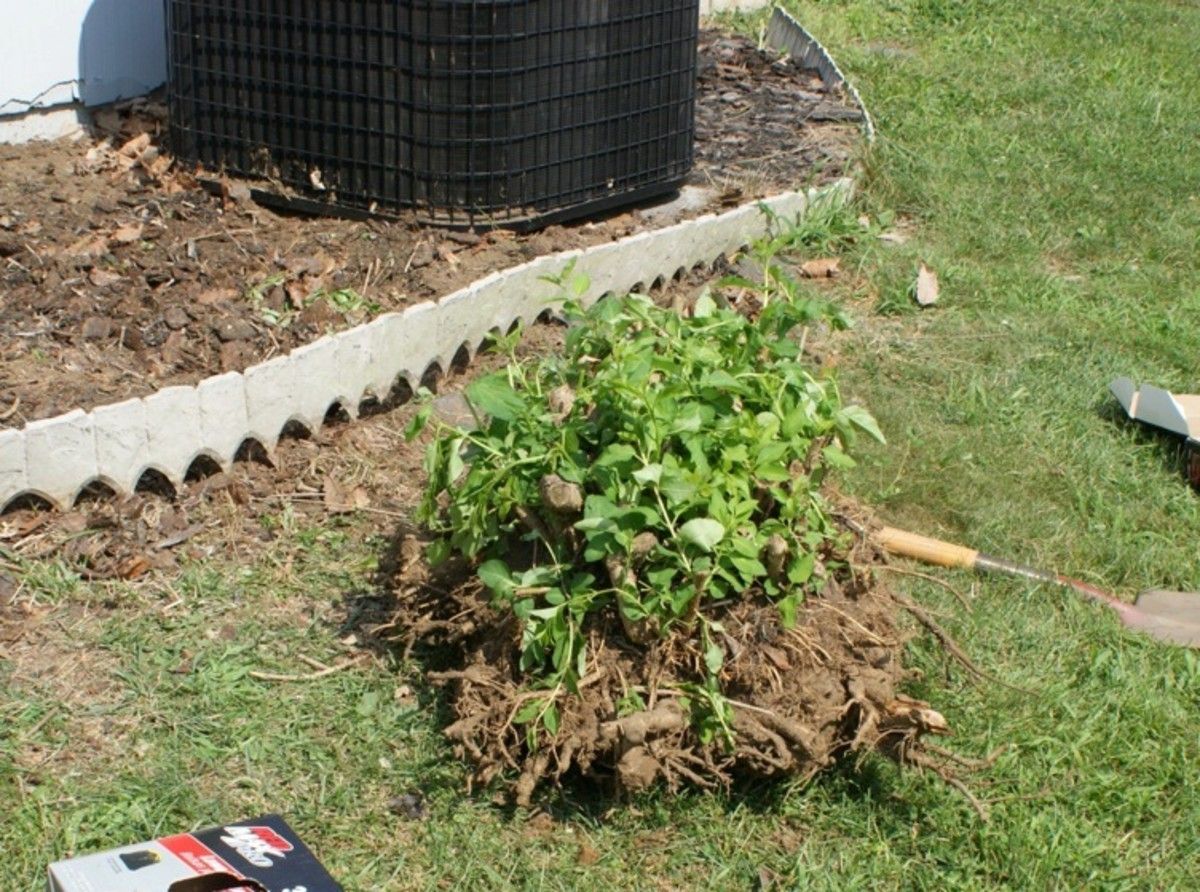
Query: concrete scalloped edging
{"x":789,"y":36}
{"x":57,"y":458}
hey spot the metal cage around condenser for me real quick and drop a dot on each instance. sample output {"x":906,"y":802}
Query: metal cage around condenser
{"x":479,"y":112}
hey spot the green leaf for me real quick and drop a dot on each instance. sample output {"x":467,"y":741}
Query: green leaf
{"x":454,"y":460}
{"x":705,"y":305}
{"x":550,"y":719}
{"x":800,"y":570}
{"x":714,"y":658}
{"x":688,"y":421}
{"x":788,"y":609}
{"x":438,"y":551}
{"x":649,"y":474}
{"x":864,"y":421}
{"x":497,"y":577}
{"x":703,"y":532}
{"x":836,"y":458}
{"x":418,"y":423}
{"x":528,"y":712}
{"x":615,"y":454}
{"x":676,"y":488}
{"x":593,"y":524}
{"x":750,"y":568}
{"x":494,"y":396}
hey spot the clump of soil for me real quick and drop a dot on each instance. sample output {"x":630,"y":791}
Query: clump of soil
{"x":801,"y":697}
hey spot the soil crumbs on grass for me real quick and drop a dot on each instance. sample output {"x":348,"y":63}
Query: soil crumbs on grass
{"x":119,"y":275}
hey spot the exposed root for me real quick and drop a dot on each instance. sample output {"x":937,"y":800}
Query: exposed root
{"x":921,"y":615}
{"x":798,"y":698}
{"x":905,"y":571}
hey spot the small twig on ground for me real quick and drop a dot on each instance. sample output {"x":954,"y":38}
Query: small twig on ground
{"x":41,"y":723}
{"x":904,"y":571}
{"x":11,"y":410}
{"x":179,"y":538}
{"x":963,"y":761}
{"x":313,"y":676}
{"x":922,"y":616}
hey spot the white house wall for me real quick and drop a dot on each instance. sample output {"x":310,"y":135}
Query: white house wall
{"x":58,"y":52}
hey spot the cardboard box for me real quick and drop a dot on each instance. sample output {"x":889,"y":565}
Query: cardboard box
{"x":261,"y":855}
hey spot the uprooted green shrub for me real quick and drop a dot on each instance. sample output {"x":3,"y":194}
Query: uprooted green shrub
{"x":662,"y":463}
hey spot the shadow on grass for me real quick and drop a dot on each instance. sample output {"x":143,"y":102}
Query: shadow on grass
{"x":1174,"y":453}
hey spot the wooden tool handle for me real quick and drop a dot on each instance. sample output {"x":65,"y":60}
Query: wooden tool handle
{"x":923,"y":548}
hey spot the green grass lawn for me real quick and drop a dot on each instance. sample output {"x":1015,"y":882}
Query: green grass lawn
{"x":1044,"y":157}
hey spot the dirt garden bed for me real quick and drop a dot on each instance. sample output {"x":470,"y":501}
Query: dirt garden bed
{"x":120,"y":276}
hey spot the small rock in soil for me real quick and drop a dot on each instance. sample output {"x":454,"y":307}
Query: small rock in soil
{"x":235,"y":356}
{"x":236,"y":329}
{"x":214,"y":296}
{"x":423,"y":255}
{"x":318,"y":314}
{"x":155,"y":334}
{"x":410,"y":805}
{"x":9,"y":247}
{"x":468,"y":238}
{"x":103,"y":278}
{"x":176,"y":318}
{"x":97,"y":328}
{"x":452,"y":408}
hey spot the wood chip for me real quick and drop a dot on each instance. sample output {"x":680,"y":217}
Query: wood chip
{"x":927,"y":286}
{"x":822,"y":268}
{"x":127,"y":235}
{"x":102,"y":278}
{"x":340,"y":499}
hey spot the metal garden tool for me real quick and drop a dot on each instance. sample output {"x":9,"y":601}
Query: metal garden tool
{"x":1167,"y":616}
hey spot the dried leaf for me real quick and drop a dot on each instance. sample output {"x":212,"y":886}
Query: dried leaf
{"x":134,"y":567}
{"x":776,"y":656}
{"x":128,"y":234}
{"x":88,"y":246}
{"x":587,"y":855}
{"x":297,"y":294}
{"x":215,"y":296}
{"x":822,"y":268}
{"x":340,"y":499}
{"x":135,"y":146}
{"x":102,"y":278}
{"x":927,"y":286}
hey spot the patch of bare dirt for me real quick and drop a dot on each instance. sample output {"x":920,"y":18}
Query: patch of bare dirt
{"x":119,"y":275}
{"x":765,"y":121}
{"x":46,"y":653}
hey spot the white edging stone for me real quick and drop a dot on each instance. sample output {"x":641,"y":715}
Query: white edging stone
{"x":13,"y":479}
{"x":122,"y":446}
{"x":60,"y":457}
{"x":318,"y":382}
{"x":173,"y":431}
{"x":271,"y":399}
{"x":223,"y":418}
